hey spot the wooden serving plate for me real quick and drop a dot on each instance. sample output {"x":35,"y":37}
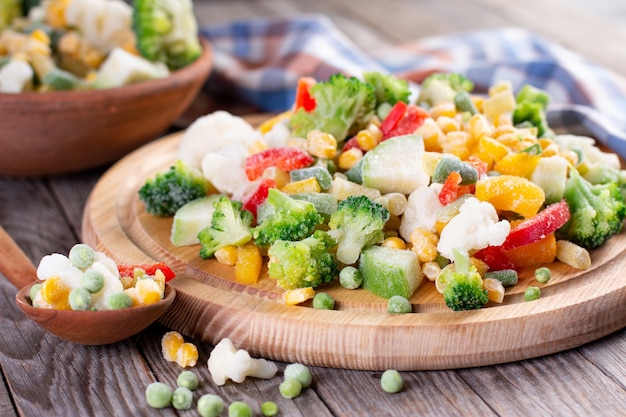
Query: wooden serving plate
{"x":576,"y":307}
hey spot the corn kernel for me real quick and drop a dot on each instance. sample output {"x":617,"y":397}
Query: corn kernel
{"x":170,"y":343}
{"x":495,"y":290}
{"x":366,"y":140}
{"x":56,"y":293}
{"x":321,"y":144}
{"x":299,"y":295}
{"x":479,"y":126}
{"x":458,"y":143}
{"x":499,"y":87}
{"x":280,"y":177}
{"x":300,"y":143}
{"x":431,"y":134}
{"x":448,"y":124}
{"x":424,"y":244}
{"x":148,"y":291}
{"x":249,"y":263}
{"x":502,"y":102}
{"x":349,"y":158}
{"x":40,"y":36}
{"x":396,"y":203}
{"x":307,"y":185}
{"x":431,"y":270}
{"x":573,"y":255}
{"x":394,"y":242}
{"x":227,"y":255}
{"x":445,"y":108}
{"x":341,"y":189}
{"x":187,"y":355}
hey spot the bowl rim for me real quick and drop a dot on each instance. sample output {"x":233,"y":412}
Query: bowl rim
{"x":186,"y":74}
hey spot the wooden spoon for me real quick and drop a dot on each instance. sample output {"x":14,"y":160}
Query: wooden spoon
{"x":83,"y":327}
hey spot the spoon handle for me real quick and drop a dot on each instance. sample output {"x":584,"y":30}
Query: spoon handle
{"x":14,"y":264}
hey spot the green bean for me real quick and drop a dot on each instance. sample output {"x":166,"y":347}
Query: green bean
{"x":507,"y":277}
{"x":323,"y":301}
{"x":210,"y":405}
{"x":158,"y":395}
{"x":300,"y":372}
{"x":398,"y":305}
{"x":391,"y":381}
{"x":448,"y":164}
{"x":463,"y":102}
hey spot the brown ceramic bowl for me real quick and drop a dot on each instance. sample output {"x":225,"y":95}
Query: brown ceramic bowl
{"x":53,"y":133}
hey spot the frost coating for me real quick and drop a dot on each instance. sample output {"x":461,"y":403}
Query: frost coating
{"x":475,"y":227}
{"x":226,"y":362}
{"x":421,"y":210}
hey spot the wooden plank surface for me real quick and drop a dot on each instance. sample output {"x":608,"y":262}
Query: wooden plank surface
{"x":43,"y":375}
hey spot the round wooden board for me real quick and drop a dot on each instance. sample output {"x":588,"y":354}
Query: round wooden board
{"x":576,"y":307}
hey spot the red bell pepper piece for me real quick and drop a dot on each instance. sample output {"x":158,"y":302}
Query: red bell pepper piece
{"x":304,"y":99}
{"x":539,"y":226}
{"x":452,"y":188}
{"x":129,"y":270}
{"x":406,"y":123}
{"x":258,"y":196}
{"x":285,"y":158}
{"x":393,"y":117}
{"x":495,"y":258}
{"x":351,"y":143}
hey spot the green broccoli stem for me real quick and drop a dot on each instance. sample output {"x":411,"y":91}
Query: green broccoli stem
{"x":462,"y":261}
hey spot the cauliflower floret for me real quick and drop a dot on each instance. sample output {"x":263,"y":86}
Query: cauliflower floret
{"x":59,"y":265}
{"x":211,"y":133}
{"x":421,"y":210}
{"x":15,"y":76}
{"x":475,"y":227}
{"x":106,"y":24}
{"x":591,"y":154}
{"x":112,"y":282}
{"x":225,"y":170}
{"x":278,"y":135}
{"x":226,"y":362}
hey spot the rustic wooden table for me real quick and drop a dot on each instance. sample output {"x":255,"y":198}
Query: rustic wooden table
{"x":43,"y":375}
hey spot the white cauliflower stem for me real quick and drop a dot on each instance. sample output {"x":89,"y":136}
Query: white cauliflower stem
{"x":227,"y":362}
{"x":421,"y":210}
{"x":475,"y":227}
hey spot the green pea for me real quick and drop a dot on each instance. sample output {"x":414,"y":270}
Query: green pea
{"x":239,"y":409}
{"x":397,"y":304}
{"x":532,"y":293}
{"x":210,"y":405}
{"x":543,"y":274}
{"x":323,"y":301}
{"x":391,"y":381}
{"x":82,"y":256}
{"x":119,"y":300}
{"x":80,"y":299}
{"x":290,"y":388}
{"x":350,"y":278}
{"x":300,"y":372}
{"x":33,"y":291}
{"x":158,"y":395}
{"x":269,"y":408}
{"x":182,"y":398}
{"x":92,"y":281}
{"x":187,"y":379}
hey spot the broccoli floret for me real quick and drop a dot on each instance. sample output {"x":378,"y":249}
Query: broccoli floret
{"x":167,"y":31}
{"x":388,"y":88}
{"x":305,"y":263}
{"x":230,"y":225}
{"x":597,"y":211}
{"x":287,"y":219}
{"x":463,"y":284}
{"x":168,"y":191}
{"x":344,"y":105}
{"x":440,"y":87}
{"x":357,"y":223}
{"x":531,"y":109}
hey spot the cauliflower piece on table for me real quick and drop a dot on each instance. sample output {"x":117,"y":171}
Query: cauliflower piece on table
{"x":475,"y":227}
{"x":227,"y":362}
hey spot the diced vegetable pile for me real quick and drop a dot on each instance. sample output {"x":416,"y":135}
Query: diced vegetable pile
{"x":364,"y":180}
{"x":53,"y":45}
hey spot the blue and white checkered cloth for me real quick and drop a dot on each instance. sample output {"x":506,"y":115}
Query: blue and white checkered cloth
{"x":260,"y":61}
